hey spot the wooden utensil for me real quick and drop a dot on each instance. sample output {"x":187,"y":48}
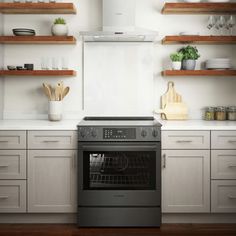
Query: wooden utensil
{"x":175,"y":111}
{"x":171,"y":96}
{"x":47,"y":91}
{"x":65,"y":92}
{"x":57,"y":93}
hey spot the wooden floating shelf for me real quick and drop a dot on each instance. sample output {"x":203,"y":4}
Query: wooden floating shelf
{"x":199,"y":8}
{"x":37,"y":8}
{"x":37,"y":40}
{"x":175,"y":39}
{"x":37,"y":73}
{"x":199,"y":73}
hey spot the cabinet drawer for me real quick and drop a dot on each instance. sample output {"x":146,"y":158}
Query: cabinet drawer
{"x":12,"y":164}
{"x":52,"y":140}
{"x":223,"y":139}
{"x":12,"y":196}
{"x":12,"y":139}
{"x":185,"y":140}
{"x":223,"y":194}
{"x":223,"y":164}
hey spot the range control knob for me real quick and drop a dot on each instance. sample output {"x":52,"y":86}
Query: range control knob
{"x":144,"y":133}
{"x":94,"y":133}
{"x":82,"y":133}
{"x":155,"y":133}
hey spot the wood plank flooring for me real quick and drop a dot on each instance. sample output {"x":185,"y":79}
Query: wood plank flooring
{"x":72,"y":230}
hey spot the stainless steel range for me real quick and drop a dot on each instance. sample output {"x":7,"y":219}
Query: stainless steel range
{"x":119,"y":174}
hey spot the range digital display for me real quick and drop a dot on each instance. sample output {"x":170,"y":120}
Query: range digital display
{"x":119,"y":133}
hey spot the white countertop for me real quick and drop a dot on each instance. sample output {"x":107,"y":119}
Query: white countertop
{"x":198,"y":125}
{"x":38,"y":125}
{"x":72,"y":125}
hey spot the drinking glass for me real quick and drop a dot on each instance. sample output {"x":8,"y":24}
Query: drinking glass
{"x":55,"y":63}
{"x":45,"y":63}
{"x":221,"y":23}
{"x":64,"y":63}
{"x":230,"y":24}
{"x":211,"y":22}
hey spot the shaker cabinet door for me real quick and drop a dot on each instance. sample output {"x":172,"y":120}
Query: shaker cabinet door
{"x":52,"y":181}
{"x":185,"y":181}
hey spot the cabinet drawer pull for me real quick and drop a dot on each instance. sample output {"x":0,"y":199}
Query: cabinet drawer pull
{"x":4,"y":197}
{"x":50,"y":141}
{"x":184,"y":141}
{"x":4,"y":141}
{"x":231,"y":166}
{"x":164,"y":160}
{"x":4,"y":166}
{"x":231,"y":197}
{"x":232,"y":141}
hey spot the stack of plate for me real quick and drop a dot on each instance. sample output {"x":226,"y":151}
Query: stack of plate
{"x":218,"y":64}
{"x":23,"y":32}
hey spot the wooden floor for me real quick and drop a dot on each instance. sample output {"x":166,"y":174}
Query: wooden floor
{"x":72,"y":230}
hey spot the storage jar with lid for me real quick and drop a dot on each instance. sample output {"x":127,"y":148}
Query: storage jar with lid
{"x":220,"y":113}
{"x":209,"y":113}
{"x":231,"y":113}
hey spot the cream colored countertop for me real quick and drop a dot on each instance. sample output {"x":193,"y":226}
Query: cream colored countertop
{"x":72,"y":125}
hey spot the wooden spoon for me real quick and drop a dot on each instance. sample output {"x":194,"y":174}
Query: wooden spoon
{"x":47,"y":91}
{"x":57,"y":93}
{"x":65,"y":92}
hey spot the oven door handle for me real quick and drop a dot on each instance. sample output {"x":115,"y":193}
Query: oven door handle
{"x":119,"y":148}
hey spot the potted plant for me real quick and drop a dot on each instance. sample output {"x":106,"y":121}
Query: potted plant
{"x":190,"y":55}
{"x":176,"y":59}
{"x":59,"y":27}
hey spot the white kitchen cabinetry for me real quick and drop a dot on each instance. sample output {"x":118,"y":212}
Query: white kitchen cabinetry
{"x":223,"y":172}
{"x":12,"y":196}
{"x":12,"y":171}
{"x":186,"y":181}
{"x":186,"y":171}
{"x":52,"y":181}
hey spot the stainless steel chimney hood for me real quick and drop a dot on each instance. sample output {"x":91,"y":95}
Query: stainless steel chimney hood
{"x":119,"y":24}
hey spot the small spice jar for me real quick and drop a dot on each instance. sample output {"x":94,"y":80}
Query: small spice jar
{"x":220,"y":113}
{"x":209,"y":113}
{"x":231,"y":111}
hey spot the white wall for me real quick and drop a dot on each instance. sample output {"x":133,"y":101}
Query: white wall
{"x":24,"y":98}
{"x":1,"y":65}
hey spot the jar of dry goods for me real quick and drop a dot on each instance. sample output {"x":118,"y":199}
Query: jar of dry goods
{"x":209,"y":113}
{"x":231,"y":113}
{"x":220,"y":113}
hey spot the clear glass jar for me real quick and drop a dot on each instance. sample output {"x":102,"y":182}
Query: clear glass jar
{"x":231,"y":111}
{"x":209,"y":113}
{"x":220,"y":113}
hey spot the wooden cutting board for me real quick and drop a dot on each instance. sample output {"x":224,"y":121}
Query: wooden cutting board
{"x":171,"y":96}
{"x":175,"y":111}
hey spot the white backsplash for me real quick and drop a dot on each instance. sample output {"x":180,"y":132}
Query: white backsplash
{"x":24,"y":98}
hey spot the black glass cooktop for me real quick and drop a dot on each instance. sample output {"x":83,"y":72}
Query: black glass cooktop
{"x":118,"y":118}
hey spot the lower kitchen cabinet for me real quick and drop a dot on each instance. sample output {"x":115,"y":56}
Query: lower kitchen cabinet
{"x":12,"y":196}
{"x":223,"y":194}
{"x":52,"y":181}
{"x":186,"y":181}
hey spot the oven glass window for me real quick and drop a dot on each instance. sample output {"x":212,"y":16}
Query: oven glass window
{"x":120,"y":170}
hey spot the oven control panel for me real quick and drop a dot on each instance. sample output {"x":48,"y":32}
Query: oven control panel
{"x":119,"y":133}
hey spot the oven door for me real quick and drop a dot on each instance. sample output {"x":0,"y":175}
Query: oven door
{"x":119,"y":174}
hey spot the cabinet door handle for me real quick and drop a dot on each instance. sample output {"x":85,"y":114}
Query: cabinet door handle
{"x":232,"y":141}
{"x":231,"y":197}
{"x":50,"y":141}
{"x":184,"y":141}
{"x":4,"y":166}
{"x":4,"y":141}
{"x":4,"y":197}
{"x":231,"y":166}
{"x":164,"y":160}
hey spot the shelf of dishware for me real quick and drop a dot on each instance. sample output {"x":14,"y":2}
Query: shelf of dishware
{"x":197,"y":39}
{"x":37,"y":73}
{"x":199,"y":8}
{"x":199,"y":73}
{"x":37,"y":8}
{"x":37,"y":40}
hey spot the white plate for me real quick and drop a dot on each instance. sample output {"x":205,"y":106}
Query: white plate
{"x":24,"y":34}
{"x":189,"y":33}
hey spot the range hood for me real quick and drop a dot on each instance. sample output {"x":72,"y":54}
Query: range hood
{"x":119,"y":24}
